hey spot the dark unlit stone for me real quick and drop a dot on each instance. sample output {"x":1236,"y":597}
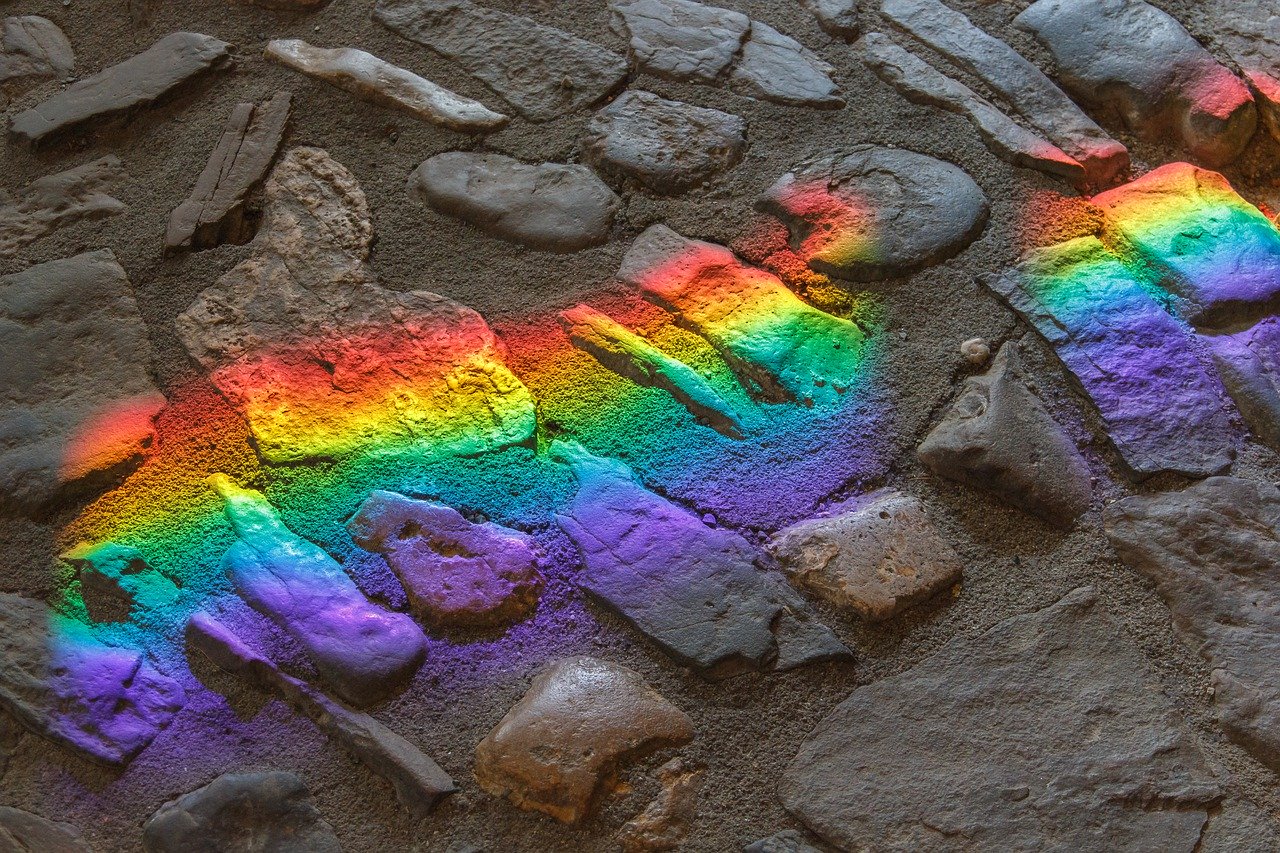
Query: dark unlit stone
{"x":664,"y":824}
{"x":1138,"y":62}
{"x":139,"y":81}
{"x":787,"y":841}
{"x":32,"y":49}
{"x":694,"y":590}
{"x":668,"y":146}
{"x":998,"y":436}
{"x":837,"y":17}
{"x":76,"y":396}
{"x":775,"y":67}
{"x":1241,"y":827}
{"x":242,"y":813}
{"x":115,"y":579}
{"x":1249,"y":30}
{"x":680,"y":39}
{"x":1249,"y":364}
{"x":215,"y":211}
{"x":872,"y":213}
{"x":23,"y":832}
{"x":60,"y":682}
{"x":1212,"y":551}
{"x":581,"y":720}
{"x":541,"y":71}
{"x":55,"y":201}
{"x":547,"y":206}
{"x":1046,"y":732}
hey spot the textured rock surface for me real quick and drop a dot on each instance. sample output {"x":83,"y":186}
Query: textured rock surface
{"x":380,"y":82}
{"x":1241,"y":827}
{"x":1138,"y":62}
{"x":137,"y":82}
{"x":1250,"y":32}
{"x":775,"y":67}
{"x":876,"y":555}
{"x":23,"y":832}
{"x":787,"y":841}
{"x":838,"y":17}
{"x":547,"y":206}
{"x":242,"y":813}
{"x":1212,"y":551}
{"x":456,"y":574}
{"x":694,"y":590}
{"x":872,"y":213}
{"x":667,"y":146}
{"x":295,"y":337}
{"x":1249,"y":364}
{"x":31,"y":49}
{"x":1003,"y":741}
{"x":580,"y":720}
{"x":664,"y":824}
{"x":114,"y":579}
{"x":541,"y":71}
{"x":215,"y":211}
{"x":55,"y":201}
{"x":999,"y":437}
{"x":77,"y":398}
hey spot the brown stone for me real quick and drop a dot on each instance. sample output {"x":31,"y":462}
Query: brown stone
{"x":664,"y":824}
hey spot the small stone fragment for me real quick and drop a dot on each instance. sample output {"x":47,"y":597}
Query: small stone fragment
{"x":55,"y":201}
{"x":1249,"y":30}
{"x":372,"y":79}
{"x":997,"y":436}
{"x":694,"y":590}
{"x":680,"y":39}
{"x":23,"y":832}
{"x":877,"y":555}
{"x":548,"y":206}
{"x":139,"y":81}
{"x":837,"y":17}
{"x":1249,"y":364}
{"x":787,"y":841}
{"x":872,"y":213}
{"x":456,"y":574}
{"x":1137,"y":61}
{"x":541,"y":71}
{"x":114,"y":579}
{"x":776,"y":67}
{"x":664,"y":824}
{"x":31,"y":49}
{"x":215,"y":211}
{"x":366,"y":653}
{"x":242,"y":813}
{"x":976,"y":351}
{"x":668,"y":146}
{"x":557,"y":748}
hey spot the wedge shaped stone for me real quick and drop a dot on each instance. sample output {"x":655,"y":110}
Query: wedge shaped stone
{"x":775,"y":67}
{"x":32,"y":49}
{"x":56,"y":201}
{"x":1249,"y":364}
{"x":681,"y":39}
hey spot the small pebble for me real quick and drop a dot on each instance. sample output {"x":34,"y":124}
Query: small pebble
{"x":976,"y":351}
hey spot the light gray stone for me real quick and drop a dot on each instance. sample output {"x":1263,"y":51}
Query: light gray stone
{"x":837,"y":17}
{"x":32,"y":49}
{"x":1250,"y":32}
{"x":681,"y":39}
{"x":775,"y":67}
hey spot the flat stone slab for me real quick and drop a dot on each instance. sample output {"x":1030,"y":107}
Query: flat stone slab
{"x":1249,"y":363}
{"x":1249,"y":30}
{"x":775,"y":67}
{"x":579,"y":722}
{"x":666,"y":146}
{"x":22,"y":831}
{"x":1138,"y":63}
{"x":1047,"y":731}
{"x":76,"y":397}
{"x":694,"y":590}
{"x":115,"y":580}
{"x":1212,"y":551}
{"x":58,"y":200}
{"x":541,"y":71}
{"x":548,"y":206}
{"x":872,"y":213}
{"x":32,"y":49}
{"x":1163,"y":409}
{"x":139,"y":81}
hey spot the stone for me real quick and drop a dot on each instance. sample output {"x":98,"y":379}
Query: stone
{"x":781,"y":348}
{"x":838,"y":18}
{"x":1212,"y":551}
{"x":32,"y":49}
{"x":541,"y":71}
{"x":582,"y":719}
{"x":1163,"y":409}
{"x":1249,"y":364}
{"x":975,"y":351}
{"x":364,"y":652}
{"x":377,"y":81}
{"x":56,"y":201}
{"x":297,"y":338}
{"x":456,"y":574}
{"x":872,"y":213}
{"x":776,"y":67}
{"x":1249,"y":31}
{"x":1048,"y":731}
{"x":680,"y":39}
{"x":106,"y":703}
{"x":242,"y":813}
{"x":1215,"y":252}
{"x":23,"y":832}
{"x":997,"y":436}
{"x":138,"y":82}
{"x":77,"y":401}
{"x":419,"y":783}
{"x":1011,"y":76}
{"x":695,"y":590}
{"x":630,"y":355}
{"x":664,"y":824}
{"x":875,"y":555}
{"x":547,"y":206}
{"x":787,"y":841}
{"x":666,"y":146}
{"x":919,"y":82}
{"x":1241,"y":827}
{"x":1138,"y":63}
{"x":214,"y":213}
{"x":116,"y":579}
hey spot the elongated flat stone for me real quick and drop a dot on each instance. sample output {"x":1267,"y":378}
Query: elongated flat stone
{"x":56,"y":201}
{"x":137,"y":82}
{"x":630,"y":355}
{"x":692,"y":589}
{"x":1249,"y":30}
{"x":1162,"y":408}
{"x":364,"y":652}
{"x":375,"y":80}
{"x":681,"y":39}
{"x":32,"y":49}
{"x":1249,"y":364}
{"x":541,"y":71}
{"x":775,"y":67}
